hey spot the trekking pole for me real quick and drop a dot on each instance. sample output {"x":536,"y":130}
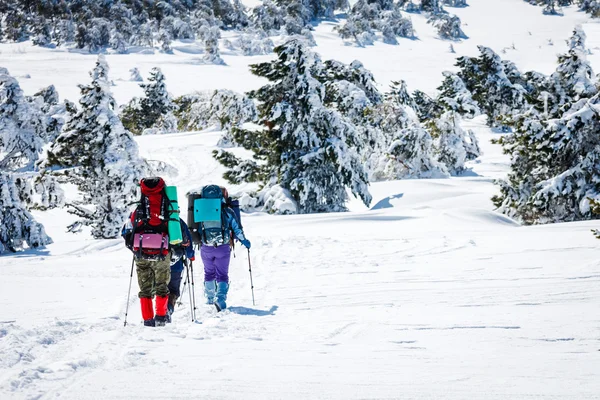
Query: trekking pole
{"x":129,"y":291}
{"x":193,"y":289}
{"x":185,"y":281}
{"x":187,"y":278}
{"x":251,"y":284}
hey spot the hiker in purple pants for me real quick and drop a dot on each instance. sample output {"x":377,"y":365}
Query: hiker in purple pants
{"x":216,"y":249}
{"x":216,"y":262}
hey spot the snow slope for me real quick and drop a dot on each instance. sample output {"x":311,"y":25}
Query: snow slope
{"x":429,"y":294}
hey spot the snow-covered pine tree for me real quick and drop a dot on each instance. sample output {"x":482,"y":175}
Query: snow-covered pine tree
{"x":267,"y":17}
{"x":154,"y":110}
{"x":399,"y":95}
{"x":555,"y":153}
{"x":135,"y":76}
{"x":51,"y":193}
{"x":454,"y":96}
{"x":304,"y":147}
{"x":455,"y":146}
{"x":211,"y":35}
{"x":432,"y":6}
{"x":368,"y":16}
{"x":253,"y":43}
{"x":100,"y":157}
{"x":555,"y":166}
{"x":574,"y":78}
{"x":21,"y":127}
{"x":18,"y":225}
{"x":427,"y":108}
{"x":591,"y":7}
{"x":448,"y":26}
{"x":409,"y":151}
{"x":486,"y":79}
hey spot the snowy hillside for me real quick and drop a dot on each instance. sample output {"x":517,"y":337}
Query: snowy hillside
{"x":428,"y":293}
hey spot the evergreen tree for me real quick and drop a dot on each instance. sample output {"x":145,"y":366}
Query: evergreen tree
{"x":574,"y":78}
{"x":409,"y":150}
{"x":556,"y":153}
{"x":454,"y":96}
{"x":448,"y":26}
{"x":305,"y":147}
{"x":134,"y":75}
{"x":486,"y":80}
{"x":399,"y":95}
{"x":426,"y":107}
{"x":152,"y":110}
{"x":100,"y":157}
{"x":252,"y":43}
{"x":211,"y":35}
{"x":368,"y":16}
{"x":18,"y":225}
{"x":21,"y":127}
{"x":455,"y":146}
{"x":431,"y":6}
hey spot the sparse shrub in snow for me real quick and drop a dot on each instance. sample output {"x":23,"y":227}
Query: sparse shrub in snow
{"x":135,"y":76}
{"x":18,"y":226}
{"x":302,"y":145}
{"x":154,"y":110}
{"x":485,"y":78}
{"x":455,"y":96}
{"x":100,"y":157}
{"x":448,"y":26}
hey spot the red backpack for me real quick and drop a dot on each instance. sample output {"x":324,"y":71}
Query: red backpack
{"x":151,"y":217}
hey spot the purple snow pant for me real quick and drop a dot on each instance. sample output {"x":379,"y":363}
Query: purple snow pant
{"x":216,"y":262}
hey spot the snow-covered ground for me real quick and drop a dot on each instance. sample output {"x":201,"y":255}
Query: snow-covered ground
{"x":429,"y":294}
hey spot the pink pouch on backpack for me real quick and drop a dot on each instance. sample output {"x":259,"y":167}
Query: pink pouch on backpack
{"x":151,"y":241}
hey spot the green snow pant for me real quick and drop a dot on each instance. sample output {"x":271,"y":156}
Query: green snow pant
{"x":153,"y":276}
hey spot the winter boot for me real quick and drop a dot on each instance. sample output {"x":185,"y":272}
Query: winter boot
{"x":147,"y":311}
{"x":161,"y":310}
{"x":160,"y":320}
{"x":222,"y":288}
{"x":171,"y":306}
{"x":209,"y":290}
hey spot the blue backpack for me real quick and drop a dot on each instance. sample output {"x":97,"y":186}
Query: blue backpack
{"x":210,"y":211}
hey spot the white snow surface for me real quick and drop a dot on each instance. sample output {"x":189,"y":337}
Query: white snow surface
{"x":427,"y":294}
